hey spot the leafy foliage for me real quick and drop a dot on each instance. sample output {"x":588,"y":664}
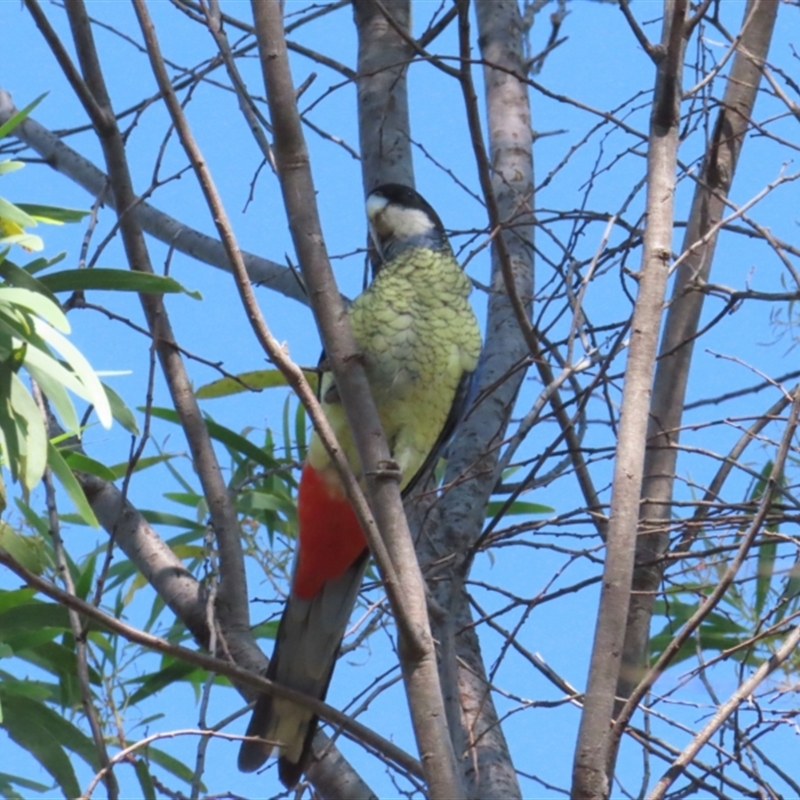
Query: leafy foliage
{"x":39,"y":633}
{"x":32,"y":328}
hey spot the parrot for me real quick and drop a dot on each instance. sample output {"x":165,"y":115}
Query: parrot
{"x":419,"y":341}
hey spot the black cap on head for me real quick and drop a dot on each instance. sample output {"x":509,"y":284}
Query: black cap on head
{"x":400,"y":195}
{"x":400,"y":218}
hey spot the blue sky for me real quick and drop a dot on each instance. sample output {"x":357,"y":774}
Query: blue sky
{"x":602,"y":66}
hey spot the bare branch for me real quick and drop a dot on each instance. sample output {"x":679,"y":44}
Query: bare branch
{"x":594,"y":744}
{"x":246,"y":104}
{"x":681,"y":328}
{"x":398,"y":563}
{"x":725,"y":711}
{"x":656,"y":52}
{"x":161,"y":226}
{"x":712,"y":600}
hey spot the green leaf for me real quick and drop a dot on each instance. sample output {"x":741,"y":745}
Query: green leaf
{"x":765,"y":570}
{"x":84,"y":582}
{"x":253,"y":501}
{"x":287,"y":434}
{"x":145,"y":781}
{"x":35,"y":436}
{"x":21,"y":641}
{"x":38,"y":264}
{"x":12,"y":213}
{"x":92,"y":390}
{"x":38,"y":356}
{"x":184,"y":498}
{"x":38,"y":303}
{"x":115,"y":280}
{"x":156,"y":681}
{"x":225,"y":435}
{"x":190,"y":552}
{"x":34,"y":690}
{"x":181,"y":543}
{"x":717,"y":632}
{"x":173,"y":765}
{"x":710,"y":640}
{"x":761,"y":482}
{"x":27,"y":725}
{"x":9,"y":437}
{"x":58,"y":396}
{"x":10,"y":166}
{"x":64,"y":474}
{"x":83,"y":463}
{"x":121,"y":412}
{"x":23,"y":437}
{"x":39,"y":360}
{"x":300,"y":432}
{"x":250,"y":381}
{"x":54,"y":215}
{"x":28,"y":550}
{"x":32,"y":518}
{"x":17,"y":322}
{"x":105,"y":646}
{"x":12,"y":123}
{"x":33,"y":614}
{"x":265,"y":630}
{"x":791,"y":589}
{"x":158,"y":604}
{"x":119,"y":470}
{"x":7,"y":780}
{"x":160,"y":518}
{"x":21,"y":278}
{"x":59,"y":660}
{"x":44,"y":719}
{"x":767,"y":552}
{"x":516,"y":508}
{"x":28,"y":241}
{"x":16,"y":597}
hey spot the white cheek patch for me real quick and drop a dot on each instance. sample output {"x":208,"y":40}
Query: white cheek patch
{"x":404,"y":223}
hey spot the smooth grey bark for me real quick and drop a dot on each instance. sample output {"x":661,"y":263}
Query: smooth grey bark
{"x":594,"y":744}
{"x":682,"y":321}
{"x":383,"y":121}
{"x":455,"y":521}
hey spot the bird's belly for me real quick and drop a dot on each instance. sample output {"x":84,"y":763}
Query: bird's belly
{"x":413,"y":413}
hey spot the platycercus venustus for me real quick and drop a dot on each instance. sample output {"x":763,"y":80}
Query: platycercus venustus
{"x":420,"y":342}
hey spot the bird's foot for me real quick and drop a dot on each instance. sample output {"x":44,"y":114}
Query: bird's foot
{"x":387,"y":470}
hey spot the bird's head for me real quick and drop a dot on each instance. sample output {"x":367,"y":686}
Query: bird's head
{"x":400,"y":218}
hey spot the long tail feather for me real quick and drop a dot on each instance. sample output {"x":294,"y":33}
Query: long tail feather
{"x":305,"y":653}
